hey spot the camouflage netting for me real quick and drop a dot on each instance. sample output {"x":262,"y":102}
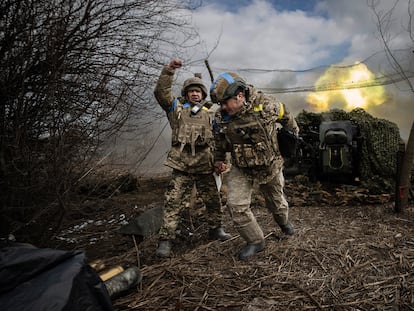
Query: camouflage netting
{"x":380,"y":141}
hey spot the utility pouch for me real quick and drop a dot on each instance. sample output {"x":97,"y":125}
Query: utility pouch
{"x":252,"y":155}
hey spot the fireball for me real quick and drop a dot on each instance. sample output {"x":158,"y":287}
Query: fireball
{"x":346,"y":88}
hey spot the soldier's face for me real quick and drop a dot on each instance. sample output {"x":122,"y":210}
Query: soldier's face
{"x":233,"y":105}
{"x":194,"y":95}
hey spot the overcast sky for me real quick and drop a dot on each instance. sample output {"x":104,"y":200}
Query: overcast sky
{"x":261,"y":39}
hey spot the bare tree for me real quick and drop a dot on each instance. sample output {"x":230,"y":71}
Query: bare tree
{"x":384,"y":20}
{"x":73,"y":73}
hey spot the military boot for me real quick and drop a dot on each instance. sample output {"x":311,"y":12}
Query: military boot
{"x":218,"y":234}
{"x":164,"y":248}
{"x":287,"y":229}
{"x":251,"y":249}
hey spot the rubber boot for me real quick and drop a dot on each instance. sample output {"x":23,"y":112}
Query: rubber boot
{"x":287,"y":229}
{"x":218,"y":234}
{"x":164,"y":248}
{"x":251,"y":249}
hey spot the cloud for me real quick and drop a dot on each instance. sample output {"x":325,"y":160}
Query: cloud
{"x":259,"y":36}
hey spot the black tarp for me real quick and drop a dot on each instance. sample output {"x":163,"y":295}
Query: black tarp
{"x":47,"y":279}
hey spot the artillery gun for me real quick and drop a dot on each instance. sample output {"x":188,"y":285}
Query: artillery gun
{"x":329,"y":150}
{"x":346,"y":147}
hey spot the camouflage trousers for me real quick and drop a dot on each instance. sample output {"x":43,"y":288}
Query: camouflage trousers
{"x":179,"y":193}
{"x":239,"y":192}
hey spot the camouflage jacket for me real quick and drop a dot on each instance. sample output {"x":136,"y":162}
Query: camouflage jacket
{"x":251,"y":135}
{"x":192,"y":137}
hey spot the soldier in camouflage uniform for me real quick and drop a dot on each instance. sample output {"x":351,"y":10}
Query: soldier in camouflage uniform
{"x":246,"y":126}
{"x":190,"y":156}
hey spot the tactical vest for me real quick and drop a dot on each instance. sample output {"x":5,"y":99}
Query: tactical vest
{"x":252,"y":137}
{"x":191,"y":129}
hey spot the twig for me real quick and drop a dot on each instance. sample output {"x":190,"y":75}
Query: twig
{"x":138,"y":259}
{"x":309,"y":295}
{"x":137,"y":251}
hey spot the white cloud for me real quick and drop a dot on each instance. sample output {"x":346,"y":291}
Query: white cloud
{"x":258,"y":36}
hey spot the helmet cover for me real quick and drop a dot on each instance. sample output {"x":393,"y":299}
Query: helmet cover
{"x":225,"y":86}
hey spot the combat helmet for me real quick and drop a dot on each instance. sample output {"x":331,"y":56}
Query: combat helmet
{"x":225,"y":86}
{"x":194,"y":81}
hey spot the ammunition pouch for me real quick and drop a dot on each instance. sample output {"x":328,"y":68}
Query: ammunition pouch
{"x":252,"y":155}
{"x":287,"y":141}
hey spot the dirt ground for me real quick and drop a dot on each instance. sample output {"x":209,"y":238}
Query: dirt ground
{"x":350,"y":252}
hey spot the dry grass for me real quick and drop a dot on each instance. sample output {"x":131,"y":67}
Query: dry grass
{"x":341,"y":258}
{"x":350,"y":252}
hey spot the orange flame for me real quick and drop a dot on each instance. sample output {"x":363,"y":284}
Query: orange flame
{"x":344,"y":93}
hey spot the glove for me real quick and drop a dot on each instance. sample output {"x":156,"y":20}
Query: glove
{"x":287,"y":141}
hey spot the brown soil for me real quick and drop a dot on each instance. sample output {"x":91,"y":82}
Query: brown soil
{"x":349,"y":252}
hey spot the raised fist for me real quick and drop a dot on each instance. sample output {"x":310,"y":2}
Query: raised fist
{"x":175,"y":63}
